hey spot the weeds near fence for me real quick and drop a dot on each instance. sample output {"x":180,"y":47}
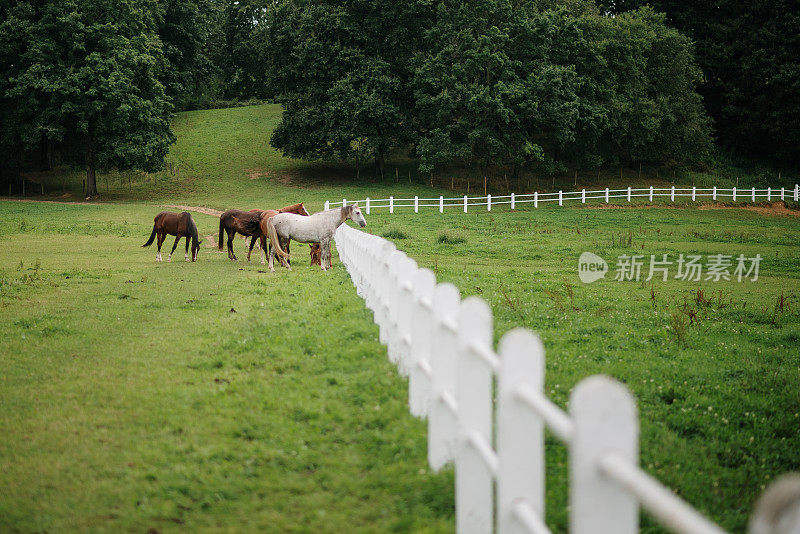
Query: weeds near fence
{"x":624,"y":239}
{"x":394,"y":233}
{"x":449,"y":238}
{"x":678,"y":325}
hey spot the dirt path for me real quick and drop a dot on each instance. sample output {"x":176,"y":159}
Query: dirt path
{"x":198,"y":209}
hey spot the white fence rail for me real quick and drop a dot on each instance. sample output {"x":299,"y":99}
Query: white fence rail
{"x":443,"y":344}
{"x":750,"y":194}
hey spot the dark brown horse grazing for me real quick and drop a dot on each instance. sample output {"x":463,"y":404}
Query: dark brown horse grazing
{"x":179,"y":225}
{"x":241,"y":222}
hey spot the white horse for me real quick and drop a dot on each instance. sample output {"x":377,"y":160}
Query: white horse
{"x":317,"y":228}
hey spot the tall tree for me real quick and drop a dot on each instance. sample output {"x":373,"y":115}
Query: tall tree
{"x":191,"y":33}
{"x":342,"y":71}
{"x":86,"y":75}
{"x":748,"y":54}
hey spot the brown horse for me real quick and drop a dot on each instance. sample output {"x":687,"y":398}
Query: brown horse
{"x":179,"y":225}
{"x":236,"y":221}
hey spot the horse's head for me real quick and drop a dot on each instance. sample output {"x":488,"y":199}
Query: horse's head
{"x":316,"y":254}
{"x":195,"y":247}
{"x":356,"y":215}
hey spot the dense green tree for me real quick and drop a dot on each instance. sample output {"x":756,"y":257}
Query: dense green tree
{"x":191,"y":35}
{"x":85,"y":74}
{"x":505,"y":84}
{"x":748,"y":54}
{"x":341,"y":69}
{"x":641,"y":78}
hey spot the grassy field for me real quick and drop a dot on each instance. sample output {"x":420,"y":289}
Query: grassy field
{"x":212,"y":396}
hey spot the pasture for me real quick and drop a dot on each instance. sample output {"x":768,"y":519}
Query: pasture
{"x":216,"y":396}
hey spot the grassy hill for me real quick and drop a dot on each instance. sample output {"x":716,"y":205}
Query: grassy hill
{"x":213,"y":396}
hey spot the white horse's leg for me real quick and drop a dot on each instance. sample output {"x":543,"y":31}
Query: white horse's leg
{"x":325,"y":254}
{"x":272,"y":260}
{"x":158,"y":256}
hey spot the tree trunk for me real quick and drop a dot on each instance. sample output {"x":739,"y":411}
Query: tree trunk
{"x":91,"y":179}
{"x":91,"y":182}
{"x":379,"y":164}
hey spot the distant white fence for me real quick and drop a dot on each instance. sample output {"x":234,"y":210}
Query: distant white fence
{"x":444,"y":345}
{"x":695,"y":193}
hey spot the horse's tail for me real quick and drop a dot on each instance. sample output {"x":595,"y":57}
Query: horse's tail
{"x":152,"y":237}
{"x":273,"y":239}
{"x":221,"y":230}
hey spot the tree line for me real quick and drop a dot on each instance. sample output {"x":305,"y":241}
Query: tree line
{"x":537,"y":85}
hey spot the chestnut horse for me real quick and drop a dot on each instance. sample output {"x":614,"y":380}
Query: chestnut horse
{"x":179,"y":225}
{"x":237,"y":221}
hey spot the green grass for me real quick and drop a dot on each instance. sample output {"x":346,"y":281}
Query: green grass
{"x":208,"y":395}
{"x":134,"y":398}
{"x":717,"y":391}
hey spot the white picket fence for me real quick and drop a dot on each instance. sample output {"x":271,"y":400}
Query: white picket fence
{"x":444,"y":345}
{"x":695,"y":193}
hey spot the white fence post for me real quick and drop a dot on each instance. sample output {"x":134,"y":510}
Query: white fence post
{"x":734,"y":194}
{"x":796,"y":192}
{"x":782,"y":192}
{"x":367,"y":205}
{"x":754,"y":194}
{"x":672,"y":194}
{"x":651,"y":193}
{"x":465,"y":203}
{"x":583,"y":196}
{"x":535,"y":199}
{"x":344,"y":202}
{"x":419,"y":383}
{"x":443,"y":411}
{"x":327,"y":205}
{"x":405,"y":313}
{"x":391,"y":204}
{"x":606,"y":195}
{"x":714,"y":193}
{"x":694,"y":193}
{"x":392,"y":337}
{"x":474,"y":474}
{"x":513,"y":201}
{"x":383,"y":279}
{"x":520,"y":431}
{"x":416,"y":204}
{"x":605,"y":418}
{"x":560,"y":197}
{"x":769,"y":194}
{"x":629,"y":193}
{"x":488,"y":202}
{"x":441,"y":204}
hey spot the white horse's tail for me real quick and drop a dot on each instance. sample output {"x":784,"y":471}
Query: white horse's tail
{"x":273,"y":239}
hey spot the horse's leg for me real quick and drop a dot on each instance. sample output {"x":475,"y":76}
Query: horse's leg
{"x":286,"y":250}
{"x":174,"y":246}
{"x":263,"y":249}
{"x":186,"y":253}
{"x":231,"y":235}
{"x":161,"y":238}
{"x":325,"y":254}
{"x":285,"y":247}
{"x":252,"y":244}
{"x":271,"y":259}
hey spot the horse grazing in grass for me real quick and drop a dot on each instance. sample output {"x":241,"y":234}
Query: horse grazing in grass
{"x":179,"y":225}
{"x":318,"y":228}
{"x":238,"y":221}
